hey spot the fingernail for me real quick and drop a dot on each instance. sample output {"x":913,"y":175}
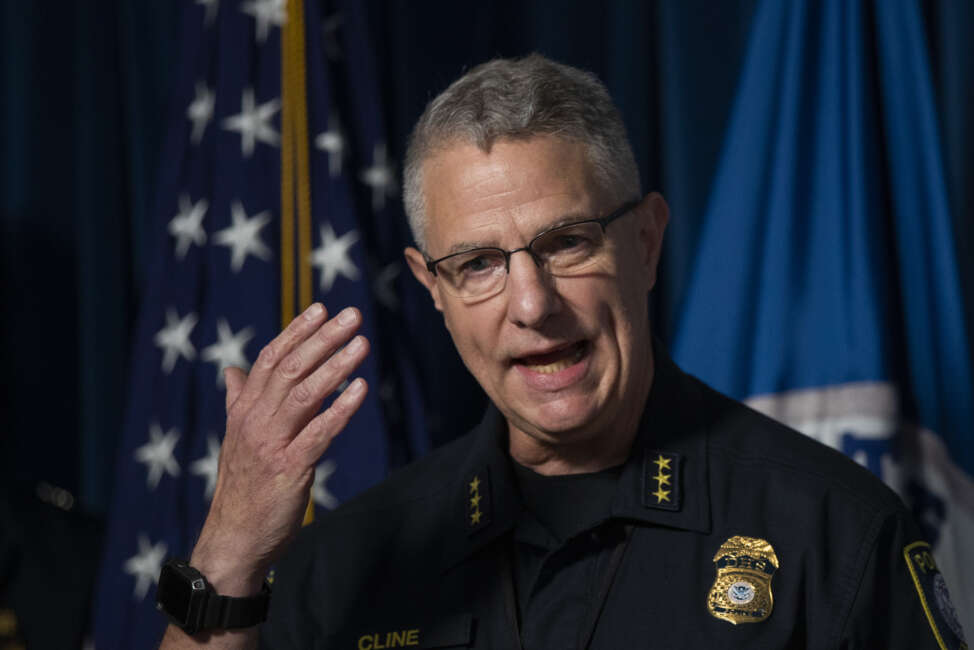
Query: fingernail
{"x":355,"y":388}
{"x":353,"y":346}
{"x":314,"y":311}
{"x":347,"y":317}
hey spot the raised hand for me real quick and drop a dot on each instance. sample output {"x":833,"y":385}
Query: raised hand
{"x":274,"y":437}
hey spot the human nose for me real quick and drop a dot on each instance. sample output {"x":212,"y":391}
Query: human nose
{"x":531,"y":296}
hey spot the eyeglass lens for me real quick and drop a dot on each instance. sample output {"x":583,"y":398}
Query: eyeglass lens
{"x":562,"y":250}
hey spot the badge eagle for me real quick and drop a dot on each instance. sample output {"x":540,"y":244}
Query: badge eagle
{"x":742,"y":589}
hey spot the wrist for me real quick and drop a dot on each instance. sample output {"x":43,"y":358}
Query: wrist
{"x":229,"y":575}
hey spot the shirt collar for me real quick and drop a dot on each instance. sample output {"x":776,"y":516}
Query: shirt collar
{"x":664,"y":482}
{"x":485,"y":503}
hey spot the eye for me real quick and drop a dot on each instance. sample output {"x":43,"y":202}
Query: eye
{"x":478,"y":264}
{"x":567,"y":241}
{"x":475,"y":264}
{"x":571,"y":241}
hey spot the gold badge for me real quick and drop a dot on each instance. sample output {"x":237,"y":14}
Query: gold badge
{"x":742,"y":589}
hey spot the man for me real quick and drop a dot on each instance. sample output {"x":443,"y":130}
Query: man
{"x":607,"y":499}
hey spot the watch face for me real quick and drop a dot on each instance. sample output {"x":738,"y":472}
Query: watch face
{"x":174,"y":594}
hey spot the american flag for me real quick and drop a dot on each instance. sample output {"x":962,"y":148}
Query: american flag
{"x":213,"y":297}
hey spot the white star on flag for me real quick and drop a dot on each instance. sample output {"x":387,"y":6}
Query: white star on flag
{"x":228,"y":350}
{"x":243,"y":237}
{"x":146,"y":565}
{"x":200,"y":110}
{"x":157,"y":454}
{"x":381,"y":177}
{"x":252,"y":122}
{"x":208,"y":465}
{"x":383,"y":288}
{"x":211,"y":8}
{"x":187,"y":225}
{"x":266,"y":13}
{"x":332,"y":141}
{"x":174,"y":339}
{"x":332,"y":256}
{"x":319,"y":491}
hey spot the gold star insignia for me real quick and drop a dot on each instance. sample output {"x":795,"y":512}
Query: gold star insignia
{"x":661,"y":495}
{"x":475,"y":501}
{"x":662,"y":479}
{"x":475,"y":484}
{"x":664,"y":463}
{"x":475,"y":517}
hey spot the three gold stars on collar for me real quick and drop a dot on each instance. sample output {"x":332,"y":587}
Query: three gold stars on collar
{"x":663,"y":478}
{"x":476,"y":500}
{"x":474,"y":509}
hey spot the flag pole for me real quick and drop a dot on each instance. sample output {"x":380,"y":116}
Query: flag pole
{"x":295,"y":176}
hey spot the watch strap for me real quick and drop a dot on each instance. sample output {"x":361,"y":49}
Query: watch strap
{"x":228,"y":612}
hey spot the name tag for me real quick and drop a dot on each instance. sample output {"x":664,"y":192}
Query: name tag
{"x":451,"y":632}
{"x":396,"y":639}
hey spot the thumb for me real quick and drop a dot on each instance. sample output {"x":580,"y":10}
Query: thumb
{"x":234,"y":378}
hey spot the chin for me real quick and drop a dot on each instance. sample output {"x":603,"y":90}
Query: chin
{"x":560,"y":421}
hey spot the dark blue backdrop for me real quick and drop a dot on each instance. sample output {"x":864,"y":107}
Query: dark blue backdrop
{"x":86,"y":90}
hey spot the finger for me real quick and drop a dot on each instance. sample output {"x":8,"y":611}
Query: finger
{"x":305,"y":398}
{"x":270,"y":356}
{"x":309,"y":355}
{"x":315,"y":438}
{"x":234,"y":378}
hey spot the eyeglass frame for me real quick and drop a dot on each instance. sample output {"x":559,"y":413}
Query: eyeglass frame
{"x":602,"y":221}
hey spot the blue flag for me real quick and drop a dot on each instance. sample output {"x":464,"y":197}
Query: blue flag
{"x":825,"y":287}
{"x":214,"y":294}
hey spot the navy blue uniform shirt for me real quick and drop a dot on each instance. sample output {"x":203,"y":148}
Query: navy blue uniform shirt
{"x":725,"y":530}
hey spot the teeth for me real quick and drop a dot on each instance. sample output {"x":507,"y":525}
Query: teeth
{"x":550,"y":368}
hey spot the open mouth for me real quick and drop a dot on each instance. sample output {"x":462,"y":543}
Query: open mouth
{"x":552,"y":362}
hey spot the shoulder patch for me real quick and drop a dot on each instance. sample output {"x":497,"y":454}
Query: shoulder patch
{"x":934,"y":597}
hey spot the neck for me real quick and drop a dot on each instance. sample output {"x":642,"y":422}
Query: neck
{"x":608,"y":447}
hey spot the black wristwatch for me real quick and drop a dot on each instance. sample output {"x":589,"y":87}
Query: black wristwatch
{"x":192,"y":604}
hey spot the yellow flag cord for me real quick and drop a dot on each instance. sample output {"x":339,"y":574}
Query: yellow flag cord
{"x":295,"y":176}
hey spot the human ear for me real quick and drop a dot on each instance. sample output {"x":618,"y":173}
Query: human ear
{"x":417,"y":264}
{"x":654,"y":214}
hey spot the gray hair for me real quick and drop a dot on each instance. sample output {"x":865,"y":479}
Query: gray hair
{"x":517,"y":99}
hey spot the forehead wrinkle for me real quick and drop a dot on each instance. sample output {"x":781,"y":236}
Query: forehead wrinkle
{"x":495,"y":201}
{"x":464,"y":246}
{"x":565,"y":220}
{"x":486,"y":185}
{"x":470,"y":241}
{"x":570,"y":217}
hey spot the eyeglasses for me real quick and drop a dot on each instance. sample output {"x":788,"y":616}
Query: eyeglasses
{"x":567,"y":250}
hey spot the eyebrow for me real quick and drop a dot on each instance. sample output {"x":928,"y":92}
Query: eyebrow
{"x":565,"y":220}
{"x":462,"y":247}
